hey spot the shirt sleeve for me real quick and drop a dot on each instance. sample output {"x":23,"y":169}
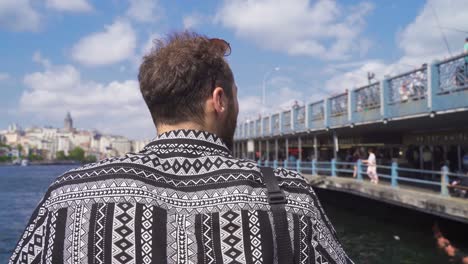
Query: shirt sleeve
{"x":31,"y":245}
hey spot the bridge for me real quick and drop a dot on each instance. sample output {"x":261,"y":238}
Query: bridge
{"x":417,"y":122}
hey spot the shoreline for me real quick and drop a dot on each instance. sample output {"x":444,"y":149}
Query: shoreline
{"x":43,"y":163}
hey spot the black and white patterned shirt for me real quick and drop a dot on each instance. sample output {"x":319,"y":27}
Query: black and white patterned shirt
{"x":183,"y":199}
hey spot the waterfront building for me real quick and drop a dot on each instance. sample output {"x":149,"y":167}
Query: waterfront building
{"x":121,"y":145}
{"x":68,"y":123}
{"x":138,"y":145}
{"x":47,"y":141}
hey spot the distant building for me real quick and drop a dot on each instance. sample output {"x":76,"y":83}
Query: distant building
{"x":121,"y":145}
{"x":47,"y":141}
{"x":138,"y":145}
{"x":68,"y":123}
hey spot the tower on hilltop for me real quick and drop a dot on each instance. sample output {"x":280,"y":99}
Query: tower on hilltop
{"x":68,"y":123}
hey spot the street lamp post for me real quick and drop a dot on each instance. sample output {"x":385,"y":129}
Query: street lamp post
{"x":264,"y":86}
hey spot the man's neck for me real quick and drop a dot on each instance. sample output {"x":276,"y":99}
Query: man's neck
{"x":163,"y":128}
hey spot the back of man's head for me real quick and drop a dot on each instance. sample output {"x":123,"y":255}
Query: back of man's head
{"x":180,"y":73}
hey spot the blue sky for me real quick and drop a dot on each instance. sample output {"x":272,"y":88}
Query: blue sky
{"x":82,"y":55}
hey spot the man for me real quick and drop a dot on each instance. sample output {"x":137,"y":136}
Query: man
{"x":372,"y":166}
{"x":455,"y":255}
{"x":184,"y":198}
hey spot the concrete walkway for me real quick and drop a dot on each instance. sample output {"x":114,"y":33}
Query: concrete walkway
{"x":410,"y":197}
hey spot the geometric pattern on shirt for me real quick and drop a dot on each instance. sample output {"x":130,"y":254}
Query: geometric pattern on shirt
{"x":127,"y":190}
{"x":146,"y":233}
{"x":208,"y":243}
{"x":180,"y":244}
{"x":255,"y":237}
{"x":123,"y":240}
{"x":53,"y":220}
{"x":231,"y":237}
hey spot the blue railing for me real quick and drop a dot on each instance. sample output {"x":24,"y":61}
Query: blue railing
{"x":424,"y":180}
{"x":433,"y":88}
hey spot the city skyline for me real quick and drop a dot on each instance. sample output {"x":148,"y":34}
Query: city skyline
{"x":58,"y":59}
{"x":51,"y":142}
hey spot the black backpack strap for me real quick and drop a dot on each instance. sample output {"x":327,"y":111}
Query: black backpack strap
{"x":277,"y":201}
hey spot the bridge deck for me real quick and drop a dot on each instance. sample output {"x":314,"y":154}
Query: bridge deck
{"x":406,"y":196}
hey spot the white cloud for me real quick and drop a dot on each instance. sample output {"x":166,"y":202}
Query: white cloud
{"x":114,"y":107}
{"x":116,"y":43}
{"x":323,"y":29}
{"x":144,"y":10}
{"x":38,"y":58}
{"x":18,"y":15}
{"x":4,"y":76}
{"x":422,"y":37}
{"x":280,"y":95}
{"x":421,"y":41}
{"x":192,"y":21}
{"x":69,"y":5}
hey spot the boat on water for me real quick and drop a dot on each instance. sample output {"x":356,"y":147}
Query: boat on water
{"x":24,"y":162}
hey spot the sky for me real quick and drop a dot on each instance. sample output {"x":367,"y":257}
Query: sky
{"x":83,"y":56}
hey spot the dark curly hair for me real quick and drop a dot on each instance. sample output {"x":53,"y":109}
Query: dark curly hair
{"x":179,"y":74}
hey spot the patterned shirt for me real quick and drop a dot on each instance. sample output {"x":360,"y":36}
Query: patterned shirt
{"x":183,"y":199}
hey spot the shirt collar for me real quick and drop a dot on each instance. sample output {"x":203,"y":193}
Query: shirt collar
{"x":183,"y":139}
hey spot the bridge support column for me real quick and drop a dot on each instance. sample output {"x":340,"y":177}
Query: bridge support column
{"x":444,"y":181}
{"x":315,"y":148}
{"x":276,"y":149}
{"x":314,"y":167}
{"x":267,"y":142}
{"x":359,"y":170}
{"x":394,"y":174}
{"x":260,"y":156}
{"x":299,"y":147}
{"x":333,"y":167}
{"x":335,"y":145}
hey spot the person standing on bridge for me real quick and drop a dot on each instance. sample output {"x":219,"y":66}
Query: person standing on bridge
{"x":372,"y":166}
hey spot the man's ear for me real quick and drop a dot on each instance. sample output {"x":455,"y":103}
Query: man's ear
{"x":219,"y":100}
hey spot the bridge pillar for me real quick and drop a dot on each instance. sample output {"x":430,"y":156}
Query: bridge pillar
{"x":276,"y":149}
{"x":314,"y":167}
{"x":315,"y":148}
{"x":299,"y":147}
{"x":267,"y":142}
{"x":260,"y":150}
{"x":444,"y":181}
{"x":394,"y":176}
{"x":333,"y":167}
{"x":335,"y":145}
{"x":241,"y":149}
{"x":359,"y":170}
